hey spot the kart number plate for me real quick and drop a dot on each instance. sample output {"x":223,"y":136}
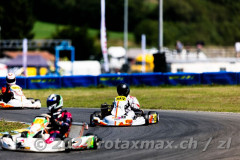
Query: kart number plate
{"x":15,"y":87}
{"x":120,"y":98}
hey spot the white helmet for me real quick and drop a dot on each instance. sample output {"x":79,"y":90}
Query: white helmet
{"x":11,"y":78}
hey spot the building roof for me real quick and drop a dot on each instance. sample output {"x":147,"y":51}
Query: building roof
{"x":45,"y":54}
{"x":32,"y":61}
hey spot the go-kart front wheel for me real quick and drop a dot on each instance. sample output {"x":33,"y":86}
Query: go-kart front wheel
{"x":92,"y":124}
{"x":7,"y":136}
{"x":96,"y":140}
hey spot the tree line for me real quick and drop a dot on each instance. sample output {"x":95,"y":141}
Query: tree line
{"x":215,"y":22}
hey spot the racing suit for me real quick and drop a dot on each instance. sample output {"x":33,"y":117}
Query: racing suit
{"x":133,"y":105}
{"x":60,"y":126}
{"x":6,"y":95}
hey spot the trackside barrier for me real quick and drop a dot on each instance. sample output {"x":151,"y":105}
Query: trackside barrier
{"x":39,"y":82}
{"x":230,"y":78}
{"x":83,"y":81}
{"x":113,"y":79}
{"x":182,"y":79}
{"x":148,"y":79}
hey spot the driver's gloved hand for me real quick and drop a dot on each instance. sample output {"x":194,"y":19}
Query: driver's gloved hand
{"x":127,"y":105}
{"x":56,"y":122}
{"x":11,"y":95}
{"x":59,"y":123}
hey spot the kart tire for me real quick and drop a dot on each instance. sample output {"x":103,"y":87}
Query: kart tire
{"x":88,"y":134}
{"x":68,"y":144}
{"x":105,"y":110}
{"x":7,"y":136}
{"x":24,"y":134}
{"x":37,"y":100}
{"x":154,"y":112}
{"x":96,"y":140}
{"x":98,"y":114}
{"x":146,"y":117}
{"x":92,"y":124}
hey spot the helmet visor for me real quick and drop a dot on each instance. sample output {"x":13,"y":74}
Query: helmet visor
{"x":50,"y":103}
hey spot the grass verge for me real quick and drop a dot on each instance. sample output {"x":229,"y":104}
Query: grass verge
{"x":6,"y":126}
{"x":194,"y":98}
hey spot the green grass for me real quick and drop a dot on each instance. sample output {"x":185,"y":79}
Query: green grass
{"x":197,"y":98}
{"x":9,"y":126}
{"x":44,"y":30}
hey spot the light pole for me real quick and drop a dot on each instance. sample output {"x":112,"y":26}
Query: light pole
{"x":126,"y":28}
{"x":160,"y":37}
{"x":0,"y":41}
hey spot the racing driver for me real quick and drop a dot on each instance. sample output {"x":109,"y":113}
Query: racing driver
{"x":7,"y":95}
{"x":133,"y":104}
{"x":60,"y":120}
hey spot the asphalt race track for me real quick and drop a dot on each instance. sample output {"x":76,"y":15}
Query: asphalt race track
{"x":179,"y":135}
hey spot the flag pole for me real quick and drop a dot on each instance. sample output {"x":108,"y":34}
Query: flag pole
{"x":104,"y":37}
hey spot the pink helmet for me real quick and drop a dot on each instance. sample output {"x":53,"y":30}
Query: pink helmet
{"x":11,"y":78}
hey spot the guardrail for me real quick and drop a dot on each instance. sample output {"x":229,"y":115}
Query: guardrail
{"x":148,"y":79}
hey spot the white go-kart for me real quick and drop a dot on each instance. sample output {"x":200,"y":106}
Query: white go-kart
{"x":33,"y":140}
{"x":19,"y":100}
{"x":115,"y":115}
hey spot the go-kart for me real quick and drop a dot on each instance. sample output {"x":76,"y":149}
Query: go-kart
{"x":115,"y":115}
{"x":18,"y":100}
{"x":33,"y":140}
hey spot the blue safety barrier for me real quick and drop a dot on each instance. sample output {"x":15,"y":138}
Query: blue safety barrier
{"x":113,"y":79}
{"x":2,"y":81}
{"x":182,"y":78}
{"x":22,"y":81}
{"x":230,"y":78}
{"x":149,"y":79}
{"x":40,"y":82}
{"x":80,"y":81}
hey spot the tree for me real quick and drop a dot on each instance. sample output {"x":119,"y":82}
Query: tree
{"x":83,"y":43}
{"x":150,"y":29}
{"x":16,"y":19}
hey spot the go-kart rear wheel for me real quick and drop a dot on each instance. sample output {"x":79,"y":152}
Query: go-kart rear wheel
{"x":152,"y":113}
{"x":105,"y":110}
{"x":68,"y":144}
{"x":98,"y":114}
{"x":38,"y":100}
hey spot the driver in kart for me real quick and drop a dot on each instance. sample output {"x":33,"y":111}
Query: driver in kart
{"x":133,"y":104}
{"x":60,"y":120}
{"x":7,"y":95}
